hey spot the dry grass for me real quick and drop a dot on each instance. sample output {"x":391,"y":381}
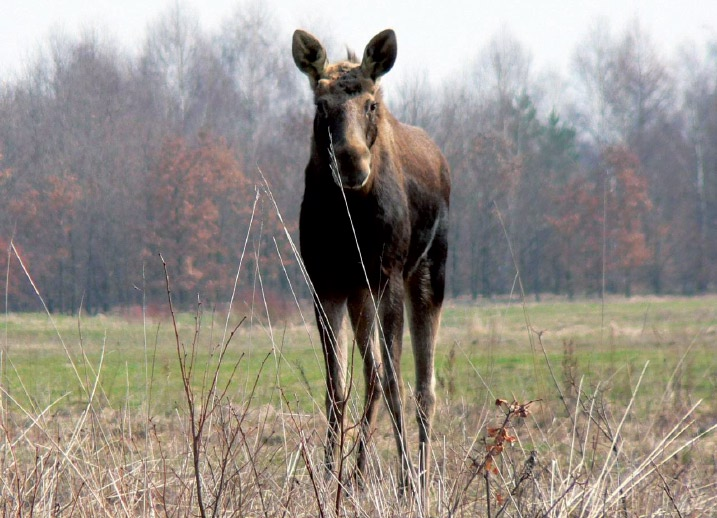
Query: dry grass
{"x":229,"y":447}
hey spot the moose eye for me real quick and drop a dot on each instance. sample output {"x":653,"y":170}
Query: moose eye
{"x":371,"y":108}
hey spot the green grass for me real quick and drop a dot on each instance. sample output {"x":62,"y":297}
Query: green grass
{"x":492,"y":348}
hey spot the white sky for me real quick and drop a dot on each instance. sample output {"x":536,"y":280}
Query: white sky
{"x":434,"y":35}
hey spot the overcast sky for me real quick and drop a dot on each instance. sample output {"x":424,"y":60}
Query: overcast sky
{"x":434,"y":35}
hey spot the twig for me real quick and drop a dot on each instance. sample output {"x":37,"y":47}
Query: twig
{"x":305,"y":456}
{"x":666,"y":487}
{"x":196,"y":431}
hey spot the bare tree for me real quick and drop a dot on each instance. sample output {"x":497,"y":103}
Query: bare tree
{"x":699,"y":106}
{"x":502,"y":74}
{"x":170,"y":50}
{"x":262,"y":76}
{"x":414,"y":102}
{"x":594,"y":70}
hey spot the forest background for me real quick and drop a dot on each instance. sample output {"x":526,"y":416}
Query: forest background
{"x":601,"y":181}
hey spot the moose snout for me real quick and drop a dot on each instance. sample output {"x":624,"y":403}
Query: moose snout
{"x":354,"y":167}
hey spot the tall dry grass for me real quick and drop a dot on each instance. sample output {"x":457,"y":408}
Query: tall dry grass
{"x":224,"y":451}
{"x":221,"y":456}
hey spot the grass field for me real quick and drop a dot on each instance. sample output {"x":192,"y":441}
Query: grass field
{"x":96,"y":417}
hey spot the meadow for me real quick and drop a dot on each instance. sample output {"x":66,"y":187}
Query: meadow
{"x":551,"y":408}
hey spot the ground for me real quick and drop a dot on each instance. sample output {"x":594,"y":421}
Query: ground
{"x":97,"y":419}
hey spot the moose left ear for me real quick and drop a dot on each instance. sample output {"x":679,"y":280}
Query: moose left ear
{"x":309,"y":55}
{"x":380,"y":55}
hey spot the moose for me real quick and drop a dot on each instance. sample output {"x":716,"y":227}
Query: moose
{"x":373,"y":235}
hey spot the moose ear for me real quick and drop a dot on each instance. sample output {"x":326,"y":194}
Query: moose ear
{"x":380,"y":55}
{"x":309,"y":55}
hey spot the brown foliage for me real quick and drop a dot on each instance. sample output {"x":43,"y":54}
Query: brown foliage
{"x":195,"y":196}
{"x":602,"y":218}
{"x":44,"y":218}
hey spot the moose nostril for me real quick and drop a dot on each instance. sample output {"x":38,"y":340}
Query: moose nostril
{"x":322,"y":107}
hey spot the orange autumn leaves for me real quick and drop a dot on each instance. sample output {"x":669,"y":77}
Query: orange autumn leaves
{"x":195,"y":195}
{"x":602,"y":217}
{"x":498,"y":437}
{"x":196,"y":208}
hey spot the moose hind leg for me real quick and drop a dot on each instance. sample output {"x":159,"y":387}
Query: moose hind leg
{"x":390,"y":337}
{"x":425,"y":297}
{"x":329,"y":317}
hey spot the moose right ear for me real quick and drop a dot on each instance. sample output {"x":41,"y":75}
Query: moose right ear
{"x":380,"y":55}
{"x":309,"y":55}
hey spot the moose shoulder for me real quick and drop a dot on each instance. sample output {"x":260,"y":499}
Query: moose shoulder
{"x":373,"y":232}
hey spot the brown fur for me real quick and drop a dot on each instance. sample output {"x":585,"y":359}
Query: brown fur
{"x":373,"y":231}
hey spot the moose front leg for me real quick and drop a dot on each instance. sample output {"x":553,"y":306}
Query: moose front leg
{"x":329,"y":317}
{"x":362,"y":311}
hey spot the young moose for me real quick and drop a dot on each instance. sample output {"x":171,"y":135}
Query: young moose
{"x":373,"y":232}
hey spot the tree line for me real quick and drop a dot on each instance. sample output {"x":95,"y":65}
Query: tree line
{"x":194,"y":148}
